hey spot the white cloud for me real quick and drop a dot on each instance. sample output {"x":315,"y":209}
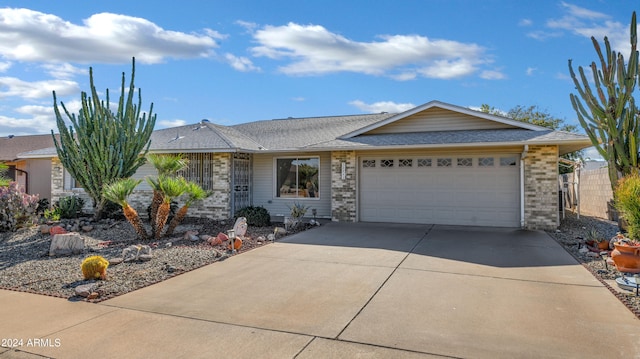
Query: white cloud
{"x":531,"y":70}
{"x":28,"y":35}
{"x":242,"y":64}
{"x":14,"y":87}
{"x":587,"y":23}
{"x":525,"y":22}
{"x":492,"y":75}
{"x":382,"y":106}
{"x":4,"y":66}
{"x":299,"y":99}
{"x":63,"y":70}
{"x":313,"y":50}
{"x":170,"y":123}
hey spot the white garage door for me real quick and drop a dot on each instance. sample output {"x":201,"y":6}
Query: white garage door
{"x":480,"y":190}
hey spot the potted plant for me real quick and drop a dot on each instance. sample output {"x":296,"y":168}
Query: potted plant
{"x":595,"y":239}
{"x":626,"y":254}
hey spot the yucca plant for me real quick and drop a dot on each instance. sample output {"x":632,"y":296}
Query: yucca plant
{"x":195,"y":193}
{"x":118,"y":192}
{"x":166,"y":165}
{"x":171,"y":188}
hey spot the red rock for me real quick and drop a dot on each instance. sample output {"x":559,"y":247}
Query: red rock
{"x":57,"y":230}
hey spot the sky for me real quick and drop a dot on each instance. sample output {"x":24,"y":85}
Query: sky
{"x":242,"y":61}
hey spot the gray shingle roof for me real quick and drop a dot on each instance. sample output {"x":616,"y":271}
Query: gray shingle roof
{"x":328,"y":133}
{"x":11,"y":147}
{"x":462,"y":138}
{"x":295,"y":133}
{"x":201,"y":136}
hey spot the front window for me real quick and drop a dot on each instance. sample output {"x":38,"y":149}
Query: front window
{"x":297,"y":177}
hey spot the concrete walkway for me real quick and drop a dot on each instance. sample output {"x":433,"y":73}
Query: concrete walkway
{"x":348,"y":291}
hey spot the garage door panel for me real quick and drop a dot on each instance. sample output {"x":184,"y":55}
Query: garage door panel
{"x":465,"y":195}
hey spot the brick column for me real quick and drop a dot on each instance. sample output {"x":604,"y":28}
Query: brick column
{"x":343,"y":191}
{"x":541,"y":188}
{"x":57,"y":180}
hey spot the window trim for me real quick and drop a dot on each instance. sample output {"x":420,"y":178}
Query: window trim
{"x":275,"y":178}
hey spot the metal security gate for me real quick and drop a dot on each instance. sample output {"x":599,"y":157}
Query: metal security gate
{"x":241,"y":181}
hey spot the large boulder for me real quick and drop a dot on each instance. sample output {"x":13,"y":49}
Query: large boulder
{"x":65,"y":244}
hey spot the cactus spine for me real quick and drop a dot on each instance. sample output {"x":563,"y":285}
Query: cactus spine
{"x":610,"y":118}
{"x":101,"y":145}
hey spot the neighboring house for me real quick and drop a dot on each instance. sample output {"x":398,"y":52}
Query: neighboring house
{"x":436,"y":163}
{"x":34,"y":174}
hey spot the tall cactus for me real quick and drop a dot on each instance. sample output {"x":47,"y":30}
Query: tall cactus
{"x":101,"y":145}
{"x":611,"y":118}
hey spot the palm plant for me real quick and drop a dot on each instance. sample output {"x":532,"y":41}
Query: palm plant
{"x":171,"y":188}
{"x":118,"y":192}
{"x":195,"y":193}
{"x":166,"y":165}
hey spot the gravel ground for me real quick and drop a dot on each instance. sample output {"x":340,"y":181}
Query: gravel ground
{"x":574,"y":232}
{"x":25,"y":264}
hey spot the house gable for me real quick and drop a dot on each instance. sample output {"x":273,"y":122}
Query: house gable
{"x":437,"y":116}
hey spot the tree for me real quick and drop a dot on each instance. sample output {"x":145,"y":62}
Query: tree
{"x":195,"y":193}
{"x":118,"y":192}
{"x":166,"y":165}
{"x":609,"y":116}
{"x":101,"y":146}
{"x":171,"y":188}
{"x":535,"y":115}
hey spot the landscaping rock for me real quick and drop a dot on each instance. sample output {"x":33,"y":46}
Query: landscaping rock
{"x":65,"y":244}
{"x":134,"y":253}
{"x":93,"y":295}
{"x":44,"y":229}
{"x":240,"y":228}
{"x":87,"y":228}
{"x":57,"y":230}
{"x":85,"y":290}
{"x":191,"y":236}
{"x":115,"y":261}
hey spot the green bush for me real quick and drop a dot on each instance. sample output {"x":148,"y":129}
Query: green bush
{"x":256,"y":216}
{"x":17,"y":209}
{"x":627,"y":201}
{"x":70,"y":206}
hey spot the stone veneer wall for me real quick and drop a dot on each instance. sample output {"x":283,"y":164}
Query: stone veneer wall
{"x":343,"y":191}
{"x":57,"y":187}
{"x":541,"y":188}
{"x":217,"y":206}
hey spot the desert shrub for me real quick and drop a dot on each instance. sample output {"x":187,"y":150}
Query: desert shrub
{"x":43,"y":204}
{"x":112,"y":210}
{"x":17,"y":209}
{"x":52,"y":214}
{"x":70,"y":206}
{"x":627,"y":201}
{"x":256,"y":216}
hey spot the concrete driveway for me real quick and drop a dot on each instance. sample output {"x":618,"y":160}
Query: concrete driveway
{"x":351,"y":291}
